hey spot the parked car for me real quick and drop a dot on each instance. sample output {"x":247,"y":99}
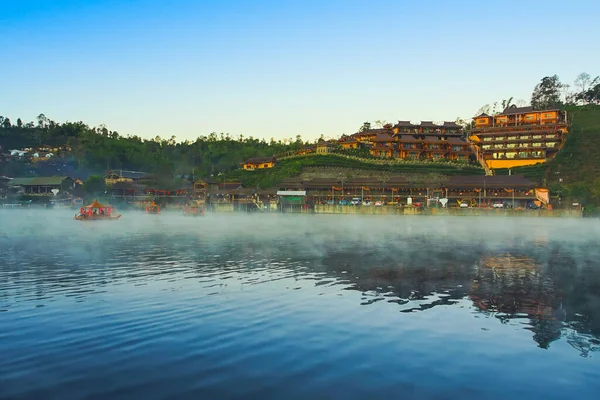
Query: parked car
{"x":464,"y":204}
{"x":356,"y":201}
{"x":366,"y":203}
{"x":498,"y":204}
{"x":343,"y":202}
{"x":378,"y":204}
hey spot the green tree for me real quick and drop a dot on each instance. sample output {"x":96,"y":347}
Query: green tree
{"x":547,"y":93}
{"x":94,"y":185}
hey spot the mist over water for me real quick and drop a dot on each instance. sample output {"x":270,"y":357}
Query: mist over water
{"x":298,"y":306}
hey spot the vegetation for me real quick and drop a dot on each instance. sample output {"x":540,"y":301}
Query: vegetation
{"x":98,"y":149}
{"x":262,"y":179}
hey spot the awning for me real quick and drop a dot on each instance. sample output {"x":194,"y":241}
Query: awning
{"x":291,"y":193}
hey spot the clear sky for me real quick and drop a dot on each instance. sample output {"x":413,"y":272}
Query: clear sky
{"x":277,"y":68}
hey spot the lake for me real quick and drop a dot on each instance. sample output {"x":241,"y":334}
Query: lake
{"x":298,"y":307}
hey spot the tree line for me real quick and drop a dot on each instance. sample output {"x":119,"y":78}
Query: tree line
{"x":551,"y":93}
{"x":97,"y":149}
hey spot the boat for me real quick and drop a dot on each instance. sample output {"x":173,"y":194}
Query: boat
{"x":153,"y":208}
{"x":97,"y":212}
{"x":193,"y":210}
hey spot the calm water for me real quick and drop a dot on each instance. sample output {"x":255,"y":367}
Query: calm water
{"x":269,"y":306}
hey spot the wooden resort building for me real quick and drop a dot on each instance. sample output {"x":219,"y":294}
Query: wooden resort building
{"x":324,"y":147}
{"x":119,"y":175}
{"x":476,"y":191}
{"x":259,"y":163}
{"x":41,"y":186}
{"x":405,"y":140}
{"x":518,"y":136}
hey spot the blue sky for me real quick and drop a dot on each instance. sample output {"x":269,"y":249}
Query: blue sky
{"x":281,"y":68}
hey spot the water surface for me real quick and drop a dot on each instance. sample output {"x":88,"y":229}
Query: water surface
{"x":298,"y":306}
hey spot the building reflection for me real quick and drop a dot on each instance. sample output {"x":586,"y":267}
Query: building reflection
{"x":516,"y":286}
{"x":550,"y":291}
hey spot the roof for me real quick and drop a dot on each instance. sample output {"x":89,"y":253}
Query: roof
{"x":126,"y":174}
{"x":451,"y":125}
{"x":405,"y":124}
{"x":260,"y":160}
{"x":408,"y":138}
{"x":96,"y":204}
{"x":494,"y":181}
{"x":291,"y":193}
{"x":383,"y":137}
{"x":39,"y":181}
{"x":433,"y":139}
{"x":456,"y":140}
{"x":512,"y":110}
{"x":482,"y":115}
{"x":428,"y":124}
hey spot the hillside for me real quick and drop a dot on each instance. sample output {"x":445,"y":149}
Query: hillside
{"x":286,"y":168}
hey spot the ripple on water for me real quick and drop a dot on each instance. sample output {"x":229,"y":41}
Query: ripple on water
{"x":311,"y":307}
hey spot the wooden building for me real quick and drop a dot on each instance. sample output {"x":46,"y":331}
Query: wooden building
{"x":476,"y":190}
{"x":383,"y":145}
{"x":423,"y":141}
{"x":349,"y":142}
{"x":324,"y":147}
{"x":519,"y":136}
{"x":259,"y":163}
{"x":119,"y":175}
{"x":41,"y":186}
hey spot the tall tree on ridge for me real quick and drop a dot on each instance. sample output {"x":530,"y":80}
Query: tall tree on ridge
{"x":547,"y":93}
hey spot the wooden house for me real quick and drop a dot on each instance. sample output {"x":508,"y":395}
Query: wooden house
{"x":259,"y":163}
{"x":519,"y":136}
{"x":42,"y":186}
{"x":119,"y":175}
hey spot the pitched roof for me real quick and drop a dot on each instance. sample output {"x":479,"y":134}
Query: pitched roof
{"x":456,"y":140}
{"x":482,"y":115}
{"x":512,"y":110}
{"x":259,"y":160}
{"x":408,"y":139}
{"x":405,"y":124}
{"x":383,"y":137}
{"x":451,"y":125}
{"x":126,"y":174}
{"x":39,"y":181}
{"x":428,"y":124}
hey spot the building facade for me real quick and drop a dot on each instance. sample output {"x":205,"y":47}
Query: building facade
{"x":518,"y":136}
{"x":259,"y":163}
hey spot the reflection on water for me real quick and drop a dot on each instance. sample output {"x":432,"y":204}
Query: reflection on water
{"x":298,"y":306}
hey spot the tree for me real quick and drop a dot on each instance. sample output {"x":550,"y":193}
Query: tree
{"x":381,"y":123}
{"x":520,"y":103}
{"x":547,"y":93}
{"x":484,"y":110}
{"x":592,"y":95}
{"x":582,"y":82}
{"x":365,"y":127}
{"x":42,"y":121}
{"x":94,"y":185}
{"x":19,"y":123}
{"x":507,"y":103}
{"x":6,"y":123}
